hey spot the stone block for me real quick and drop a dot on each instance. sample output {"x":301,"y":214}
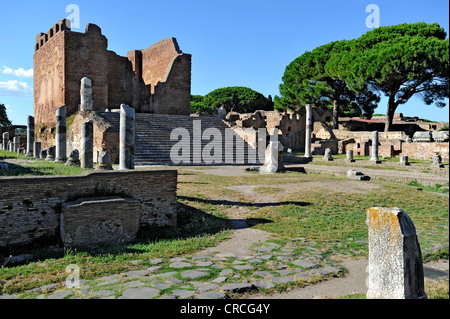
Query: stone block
{"x":99,"y":221}
{"x":395,"y":258}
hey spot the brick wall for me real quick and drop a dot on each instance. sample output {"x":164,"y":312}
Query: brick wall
{"x":30,"y":207}
{"x":426,"y":151}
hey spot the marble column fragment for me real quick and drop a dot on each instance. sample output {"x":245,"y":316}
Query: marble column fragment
{"x":127,"y":136}
{"x":104,"y":161}
{"x":37,"y":149}
{"x":61,"y":132}
{"x":16,"y":143}
{"x":308,"y":131}
{"x":87,"y":145}
{"x":374,"y":157}
{"x":5,"y":139}
{"x":30,"y":135}
{"x":86,"y":95}
{"x":327,"y":156}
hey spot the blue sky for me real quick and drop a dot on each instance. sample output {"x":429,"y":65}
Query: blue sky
{"x":232,"y":42}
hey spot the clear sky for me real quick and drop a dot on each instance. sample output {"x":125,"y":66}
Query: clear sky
{"x":232,"y":42}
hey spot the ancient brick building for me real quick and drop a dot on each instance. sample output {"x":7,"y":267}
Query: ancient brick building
{"x":155,"y":80}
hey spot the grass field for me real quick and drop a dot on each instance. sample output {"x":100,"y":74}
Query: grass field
{"x":326,"y":210}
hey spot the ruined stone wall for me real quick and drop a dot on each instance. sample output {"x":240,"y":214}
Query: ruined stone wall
{"x":425,"y":151}
{"x":30,"y":207}
{"x":49,"y":78}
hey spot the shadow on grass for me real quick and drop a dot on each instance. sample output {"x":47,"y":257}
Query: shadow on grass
{"x":18,"y":170}
{"x":237,"y":203}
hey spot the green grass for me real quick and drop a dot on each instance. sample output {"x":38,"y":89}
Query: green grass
{"x":438,"y":188}
{"x":24,"y":166}
{"x":330,"y":219}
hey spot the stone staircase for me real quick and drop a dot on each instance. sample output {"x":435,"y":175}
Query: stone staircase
{"x":153,"y":144}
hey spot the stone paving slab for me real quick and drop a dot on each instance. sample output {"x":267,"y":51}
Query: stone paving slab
{"x":214,"y":276}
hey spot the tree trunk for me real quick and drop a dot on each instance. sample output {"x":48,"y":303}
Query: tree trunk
{"x":392,"y":106}
{"x":335,"y":115}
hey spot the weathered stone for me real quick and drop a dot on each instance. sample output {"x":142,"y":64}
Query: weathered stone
{"x":60,"y":294}
{"x":304,"y":264}
{"x":212,"y":295}
{"x":422,"y":136}
{"x":5,"y":139}
{"x":86,"y":95}
{"x":74,"y":158}
{"x":127,"y":137}
{"x":395,"y":258}
{"x":183,"y":294}
{"x":30,"y":135}
{"x":238,"y":287}
{"x":440,"y":136}
{"x":194,"y":274}
{"x":61,"y":133}
{"x":308,"y":131}
{"x":207,"y":287}
{"x":37,"y":149}
{"x":404,"y":160}
{"x":43,"y":154}
{"x":87,"y":145}
{"x":50,"y":154}
{"x":180,"y":264}
{"x":4,"y":166}
{"x":104,"y":161}
{"x":350,"y":156}
{"x":327,"y":156}
{"x":264,"y":284}
{"x":437,"y":161}
{"x":140,"y":293}
{"x":273,"y":159}
{"x":282,"y":280}
{"x":374,"y":158}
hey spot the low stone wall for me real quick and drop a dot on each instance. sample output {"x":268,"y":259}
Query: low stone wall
{"x":30,"y":207}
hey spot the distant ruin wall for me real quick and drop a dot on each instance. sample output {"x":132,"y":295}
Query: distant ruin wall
{"x":425,"y":151}
{"x":30,"y":207}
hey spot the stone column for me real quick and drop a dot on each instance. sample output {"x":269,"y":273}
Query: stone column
{"x":350,"y":156}
{"x":127,"y":131}
{"x":37,"y":149}
{"x":437,"y":161}
{"x":309,"y":124}
{"x":374,"y":157}
{"x":5,"y":139}
{"x":395,"y":258}
{"x":87,"y":145}
{"x":86,"y":95}
{"x":16,"y":143}
{"x":104,"y":161}
{"x":61,"y":129}
{"x":30,"y":135}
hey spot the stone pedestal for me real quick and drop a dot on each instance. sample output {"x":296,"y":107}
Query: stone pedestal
{"x":30,"y":136}
{"x":437,"y":161}
{"x":74,"y":158}
{"x":395,"y":258}
{"x":273,"y":159}
{"x":127,"y":131}
{"x":404,"y":160}
{"x":61,"y":129}
{"x":16,"y":144}
{"x":104,"y":161}
{"x":51,"y":151}
{"x":327,"y":156}
{"x":87,"y":145}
